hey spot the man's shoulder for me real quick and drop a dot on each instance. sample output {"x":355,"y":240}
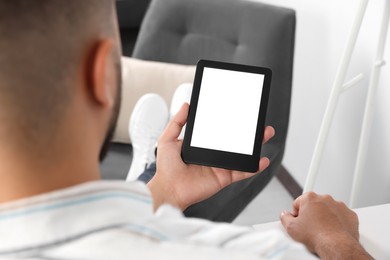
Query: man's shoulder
{"x":80,"y":190}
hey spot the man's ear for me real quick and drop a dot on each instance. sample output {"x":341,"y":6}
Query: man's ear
{"x":100,"y":72}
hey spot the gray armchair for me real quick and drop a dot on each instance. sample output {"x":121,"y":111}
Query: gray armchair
{"x":184,"y":31}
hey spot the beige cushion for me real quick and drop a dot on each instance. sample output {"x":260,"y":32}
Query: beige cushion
{"x":142,"y":77}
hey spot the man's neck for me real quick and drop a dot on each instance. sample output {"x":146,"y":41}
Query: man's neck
{"x":24,"y":175}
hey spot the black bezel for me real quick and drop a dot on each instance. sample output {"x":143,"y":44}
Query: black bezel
{"x":221,"y":159}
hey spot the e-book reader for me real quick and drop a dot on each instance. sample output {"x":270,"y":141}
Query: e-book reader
{"x":226,"y":118}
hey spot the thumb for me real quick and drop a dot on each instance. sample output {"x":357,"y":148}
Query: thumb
{"x":174,"y":127}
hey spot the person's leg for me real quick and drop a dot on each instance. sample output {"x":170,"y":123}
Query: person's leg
{"x":182,"y":94}
{"x":148,"y":174}
{"x":148,"y":120}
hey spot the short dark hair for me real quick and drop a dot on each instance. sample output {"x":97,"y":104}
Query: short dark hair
{"x":41,"y":43}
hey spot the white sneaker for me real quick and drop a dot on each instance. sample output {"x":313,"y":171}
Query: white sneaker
{"x":147,"y":122}
{"x":182,"y":94}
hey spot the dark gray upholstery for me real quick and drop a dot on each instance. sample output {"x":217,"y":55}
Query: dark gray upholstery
{"x":130,"y":15}
{"x":116,"y":164}
{"x":184,"y":31}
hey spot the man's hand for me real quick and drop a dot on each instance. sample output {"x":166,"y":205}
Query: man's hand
{"x":327,"y":227}
{"x":183,"y":184}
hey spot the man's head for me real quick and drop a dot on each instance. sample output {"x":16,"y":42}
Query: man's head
{"x":57,"y":58}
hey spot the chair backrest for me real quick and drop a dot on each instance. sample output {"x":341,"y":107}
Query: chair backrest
{"x":130,"y":15}
{"x":184,"y":31}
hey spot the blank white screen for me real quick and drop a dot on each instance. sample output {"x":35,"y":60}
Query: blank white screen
{"x":227,"y":112}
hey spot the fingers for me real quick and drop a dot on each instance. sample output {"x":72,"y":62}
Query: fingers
{"x":269,"y":132}
{"x":295,"y":206}
{"x":301,"y":199}
{"x":287,"y":219}
{"x":263,"y":163}
{"x":174,"y":127}
{"x":238,"y":176}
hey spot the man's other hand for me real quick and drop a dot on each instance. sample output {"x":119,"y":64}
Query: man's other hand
{"x":183,"y":184}
{"x":325,"y":226}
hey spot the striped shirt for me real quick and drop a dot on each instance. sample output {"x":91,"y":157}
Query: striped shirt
{"x":115,"y":220}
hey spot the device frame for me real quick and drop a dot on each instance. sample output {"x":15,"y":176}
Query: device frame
{"x":223,"y":159}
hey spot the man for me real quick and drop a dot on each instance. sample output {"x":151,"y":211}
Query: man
{"x":59,"y":92}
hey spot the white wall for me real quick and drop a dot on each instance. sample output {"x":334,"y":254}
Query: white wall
{"x":322,"y":31}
